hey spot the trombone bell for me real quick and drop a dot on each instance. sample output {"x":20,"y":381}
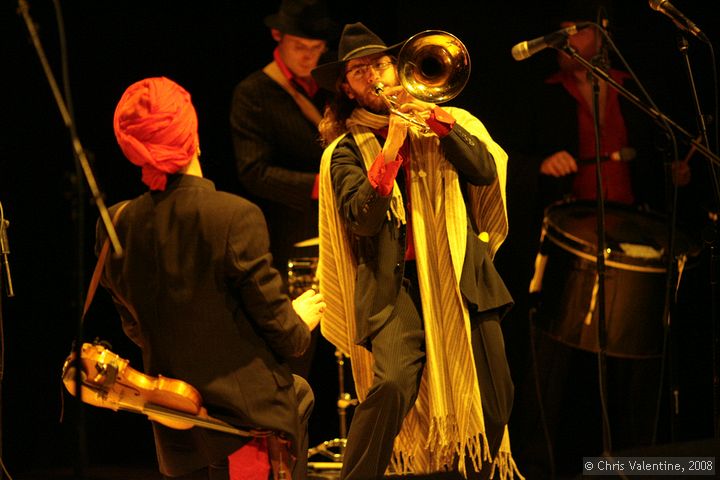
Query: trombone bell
{"x":433,"y":66}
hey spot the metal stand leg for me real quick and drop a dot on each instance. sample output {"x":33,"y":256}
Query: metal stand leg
{"x":335,"y":448}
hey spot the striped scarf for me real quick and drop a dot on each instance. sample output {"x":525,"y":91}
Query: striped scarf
{"x":447,"y":415}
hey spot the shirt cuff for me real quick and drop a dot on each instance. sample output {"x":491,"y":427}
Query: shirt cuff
{"x":440,"y":122}
{"x":382,"y":175}
{"x":316,"y":188}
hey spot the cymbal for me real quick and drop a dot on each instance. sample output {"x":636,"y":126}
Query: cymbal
{"x":310,"y":242}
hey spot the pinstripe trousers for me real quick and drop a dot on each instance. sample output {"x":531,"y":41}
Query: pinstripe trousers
{"x":399,"y":357}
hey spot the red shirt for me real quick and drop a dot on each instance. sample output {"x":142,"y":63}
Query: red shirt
{"x":616,"y":178}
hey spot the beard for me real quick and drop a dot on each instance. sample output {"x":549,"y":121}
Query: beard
{"x":372,"y":102}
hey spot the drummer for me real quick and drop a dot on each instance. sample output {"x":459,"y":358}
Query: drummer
{"x":553,"y":157}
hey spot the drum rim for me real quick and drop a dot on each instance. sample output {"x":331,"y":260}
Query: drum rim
{"x":588,"y":251}
{"x":608,"y":262}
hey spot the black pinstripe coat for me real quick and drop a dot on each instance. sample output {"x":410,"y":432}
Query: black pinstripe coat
{"x":379,"y":244}
{"x":277,"y":154}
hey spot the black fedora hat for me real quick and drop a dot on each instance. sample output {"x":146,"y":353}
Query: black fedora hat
{"x":303,"y":18}
{"x":356,"y":41}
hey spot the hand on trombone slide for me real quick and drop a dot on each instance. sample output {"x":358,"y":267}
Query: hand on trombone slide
{"x":401,"y":104}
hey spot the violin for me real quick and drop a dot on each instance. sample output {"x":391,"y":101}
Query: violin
{"x":108,"y":381}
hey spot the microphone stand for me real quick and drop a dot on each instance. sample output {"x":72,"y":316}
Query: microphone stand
{"x":78,"y":150}
{"x":4,"y":265}
{"x":660,"y":118}
{"x":600,"y":265}
{"x":712,"y":241}
{"x":81,"y":160}
{"x":663,"y":121}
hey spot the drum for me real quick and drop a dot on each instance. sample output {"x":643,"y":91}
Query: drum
{"x":635,"y":273}
{"x":302,"y":275}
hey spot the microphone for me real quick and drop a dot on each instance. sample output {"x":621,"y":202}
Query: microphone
{"x":683,"y":23}
{"x":528,"y":48}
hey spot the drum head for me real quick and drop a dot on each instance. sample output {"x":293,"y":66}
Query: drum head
{"x":633,"y":237}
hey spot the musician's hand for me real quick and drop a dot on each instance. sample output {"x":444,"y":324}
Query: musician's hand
{"x":310,"y":307}
{"x":397,"y":131}
{"x":414,"y":106}
{"x":559,"y":164}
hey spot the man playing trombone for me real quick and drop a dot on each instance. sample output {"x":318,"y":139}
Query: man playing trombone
{"x":411,"y":213}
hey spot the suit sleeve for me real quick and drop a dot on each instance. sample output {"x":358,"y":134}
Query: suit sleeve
{"x":259,"y":286}
{"x":362,"y":208}
{"x":469,"y":155}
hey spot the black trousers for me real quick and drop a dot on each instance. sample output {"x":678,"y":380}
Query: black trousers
{"x":399,"y":358}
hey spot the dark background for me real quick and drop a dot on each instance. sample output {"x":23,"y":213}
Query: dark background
{"x":208,"y":47}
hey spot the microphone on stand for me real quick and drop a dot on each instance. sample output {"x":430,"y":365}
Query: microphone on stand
{"x":528,"y":48}
{"x":682,"y":22}
{"x":602,"y":59}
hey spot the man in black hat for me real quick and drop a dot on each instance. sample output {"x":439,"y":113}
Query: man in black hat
{"x":410,"y":218}
{"x":274,"y":117}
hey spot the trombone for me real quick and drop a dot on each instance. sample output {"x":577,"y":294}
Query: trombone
{"x":433,"y":66}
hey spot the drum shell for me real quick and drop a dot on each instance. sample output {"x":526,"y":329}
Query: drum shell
{"x":634,"y":305}
{"x":566,"y":276}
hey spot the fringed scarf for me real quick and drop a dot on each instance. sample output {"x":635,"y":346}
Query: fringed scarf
{"x":446,"y":423}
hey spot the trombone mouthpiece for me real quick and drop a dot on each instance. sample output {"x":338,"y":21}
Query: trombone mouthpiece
{"x":378,"y":88}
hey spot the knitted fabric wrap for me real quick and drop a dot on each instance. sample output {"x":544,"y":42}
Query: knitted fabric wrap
{"x":446,"y":423}
{"x":157,"y":128}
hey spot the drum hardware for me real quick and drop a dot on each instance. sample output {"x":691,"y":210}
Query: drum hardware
{"x":310,"y":242}
{"x":344,"y":401}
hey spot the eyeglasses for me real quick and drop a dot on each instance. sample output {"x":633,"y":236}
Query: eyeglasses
{"x":358,"y":72}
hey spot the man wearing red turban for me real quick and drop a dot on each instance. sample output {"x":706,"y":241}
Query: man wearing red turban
{"x":157,"y":129}
{"x":197,"y":292}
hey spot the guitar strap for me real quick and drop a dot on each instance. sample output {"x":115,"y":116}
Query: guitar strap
{"x":92,"y":288}
{"x":306,"y":106}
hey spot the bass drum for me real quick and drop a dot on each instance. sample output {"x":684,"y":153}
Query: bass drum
{"x":635,"y":273}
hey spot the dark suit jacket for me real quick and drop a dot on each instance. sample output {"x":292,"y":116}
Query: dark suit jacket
{"x":196,"y":291}
{"x":379,"y":244}
{"x":277,"y":154}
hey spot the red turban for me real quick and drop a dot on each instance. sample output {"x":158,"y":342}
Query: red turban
{"x":156,"y":127}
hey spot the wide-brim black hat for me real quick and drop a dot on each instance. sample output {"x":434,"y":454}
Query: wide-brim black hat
{"x":356,"y":41}
{"x":305,"y":19}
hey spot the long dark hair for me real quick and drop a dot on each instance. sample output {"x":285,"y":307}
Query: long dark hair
{"x":336,"y":112}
